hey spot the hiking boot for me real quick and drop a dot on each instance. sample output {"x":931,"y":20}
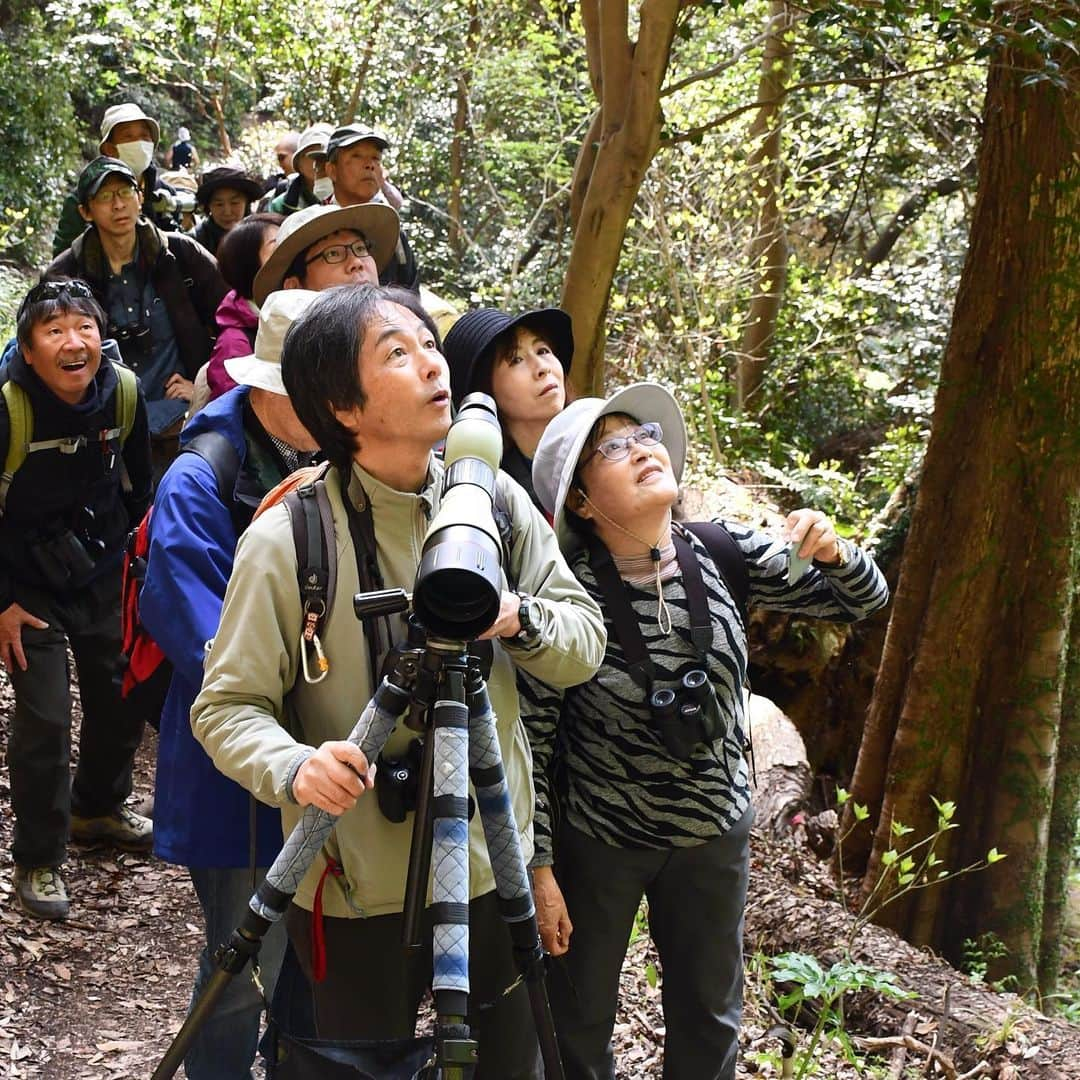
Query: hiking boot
{"x":40,"y":892}
{"x":123,"y":828}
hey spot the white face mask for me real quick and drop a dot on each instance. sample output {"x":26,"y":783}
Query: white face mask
{"x":136,"y":155}
{"x":323,"y":188}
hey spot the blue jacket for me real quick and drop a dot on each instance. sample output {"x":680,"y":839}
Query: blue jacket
{"x":200,"y":817}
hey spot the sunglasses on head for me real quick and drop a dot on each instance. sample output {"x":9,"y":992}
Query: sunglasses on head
{"x":54,"y":290}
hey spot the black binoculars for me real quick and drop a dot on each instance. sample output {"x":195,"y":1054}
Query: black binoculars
{"x":688,"y":716}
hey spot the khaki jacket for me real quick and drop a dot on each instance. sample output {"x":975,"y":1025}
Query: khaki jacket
{"x":253,"y":728}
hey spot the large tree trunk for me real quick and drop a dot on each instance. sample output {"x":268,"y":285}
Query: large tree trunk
{"x":968,"y":701}
{"x":1066,"y":802}
{"x":612,"y":162}
{"x":768,"y":247}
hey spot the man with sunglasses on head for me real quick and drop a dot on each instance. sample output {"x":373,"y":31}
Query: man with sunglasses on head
{"x":74,"y":438}
{"x":159,"y":291}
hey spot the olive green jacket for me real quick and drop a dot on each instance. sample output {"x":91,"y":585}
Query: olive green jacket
{"x":255,"y":729}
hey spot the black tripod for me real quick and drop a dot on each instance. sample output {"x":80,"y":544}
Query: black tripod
{"x":441,"y":687}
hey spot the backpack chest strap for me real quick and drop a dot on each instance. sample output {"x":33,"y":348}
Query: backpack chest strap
{"x":72,"y":444}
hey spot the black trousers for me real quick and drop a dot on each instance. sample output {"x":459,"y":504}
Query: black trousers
{"x":43,"y":794}
{"x":373,"y":988}
{"x":696,"y":900}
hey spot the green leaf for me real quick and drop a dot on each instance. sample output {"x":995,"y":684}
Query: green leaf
{"x":650,"y":974}
{"x":889,"y":857}
{"x":861,"y":812}
{"x":993,"y":856}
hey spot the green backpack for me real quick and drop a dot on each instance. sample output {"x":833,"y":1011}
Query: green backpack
{"x":21,"y":426}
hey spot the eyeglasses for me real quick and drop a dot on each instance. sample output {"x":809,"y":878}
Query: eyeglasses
{"x":54,"y":290}
{"x":618,"y":447}
{"x":340,"y":252}
{"x":105,"y":196}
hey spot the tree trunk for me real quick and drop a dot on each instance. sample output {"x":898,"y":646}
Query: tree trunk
{"x":768,"y":248}
{"x":457,"y":143}
{"x":1066,"y":800}
{"x":348,"y":115}
{"x":627,"y":80}
{"x":968,"y":701}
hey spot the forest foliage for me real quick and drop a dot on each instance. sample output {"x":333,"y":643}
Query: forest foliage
{"x":883,"y":109}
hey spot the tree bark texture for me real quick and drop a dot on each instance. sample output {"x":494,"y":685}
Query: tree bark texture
{"x":768,"y":247}
{"x":967,"y":705}
{"x":611,"y":164}
{"x":1066,"y":801}
{"x":457,"y":143}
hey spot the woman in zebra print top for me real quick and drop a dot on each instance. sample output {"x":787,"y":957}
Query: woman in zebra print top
{"x":641,"y":813}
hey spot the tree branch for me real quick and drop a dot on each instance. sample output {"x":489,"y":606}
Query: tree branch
{"x":615,"y":61}
{"x":870,"y":80}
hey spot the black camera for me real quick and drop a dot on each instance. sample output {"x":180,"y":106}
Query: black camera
{"x":397,"y":781}
{"x":688,"y":716}
{"x":61,"y":559}
{"x":134,"y":341}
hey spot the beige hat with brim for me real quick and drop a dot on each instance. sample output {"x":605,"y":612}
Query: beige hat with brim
{"x":122,"y":114}
{"x":377,"y":223}
{"x":262,"y":368}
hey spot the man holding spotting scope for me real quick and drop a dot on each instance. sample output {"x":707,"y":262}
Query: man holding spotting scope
{"x":365,"y":375}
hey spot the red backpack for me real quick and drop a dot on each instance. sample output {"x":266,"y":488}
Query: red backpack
{"x":145,"y":671}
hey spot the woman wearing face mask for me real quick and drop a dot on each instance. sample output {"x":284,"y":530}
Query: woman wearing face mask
{"x":225,"y":195}
{"x":653,"y":792}
{"x":522,"y":362}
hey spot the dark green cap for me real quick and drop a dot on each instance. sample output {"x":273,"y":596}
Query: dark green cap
{"x":96,"y":173}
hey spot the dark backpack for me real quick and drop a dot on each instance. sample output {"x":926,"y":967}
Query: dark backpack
{"x":145,"y":672}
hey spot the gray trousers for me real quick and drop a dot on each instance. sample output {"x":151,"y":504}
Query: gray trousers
{"x":43,"y":793}
{"x":696,"y":899}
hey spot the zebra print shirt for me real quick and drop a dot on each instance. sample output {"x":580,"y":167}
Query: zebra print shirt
{"x":617,"y":782}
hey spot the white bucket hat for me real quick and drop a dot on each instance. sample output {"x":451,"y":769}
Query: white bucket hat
{"x":122,"y":114}
{"x":556,"y":457}
{"x":263,"y":367}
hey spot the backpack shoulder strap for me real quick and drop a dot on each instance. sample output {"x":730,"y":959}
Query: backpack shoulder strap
{"x":217,"y":450}
{"x":127,"y":398}
{"x":504,"y":522}
{"x":20,"y":416}
{"x":308,"y":505}
{"x":727,"y":557}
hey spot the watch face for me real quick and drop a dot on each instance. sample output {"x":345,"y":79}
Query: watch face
{"x":531,"y":616}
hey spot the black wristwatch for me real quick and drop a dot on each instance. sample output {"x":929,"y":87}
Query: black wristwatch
{"x":531,"y":617}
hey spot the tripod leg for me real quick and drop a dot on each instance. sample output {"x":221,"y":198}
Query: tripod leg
{"x":508,"y":864}
{"x":450,"y":878}
{"x":272,"y":897}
